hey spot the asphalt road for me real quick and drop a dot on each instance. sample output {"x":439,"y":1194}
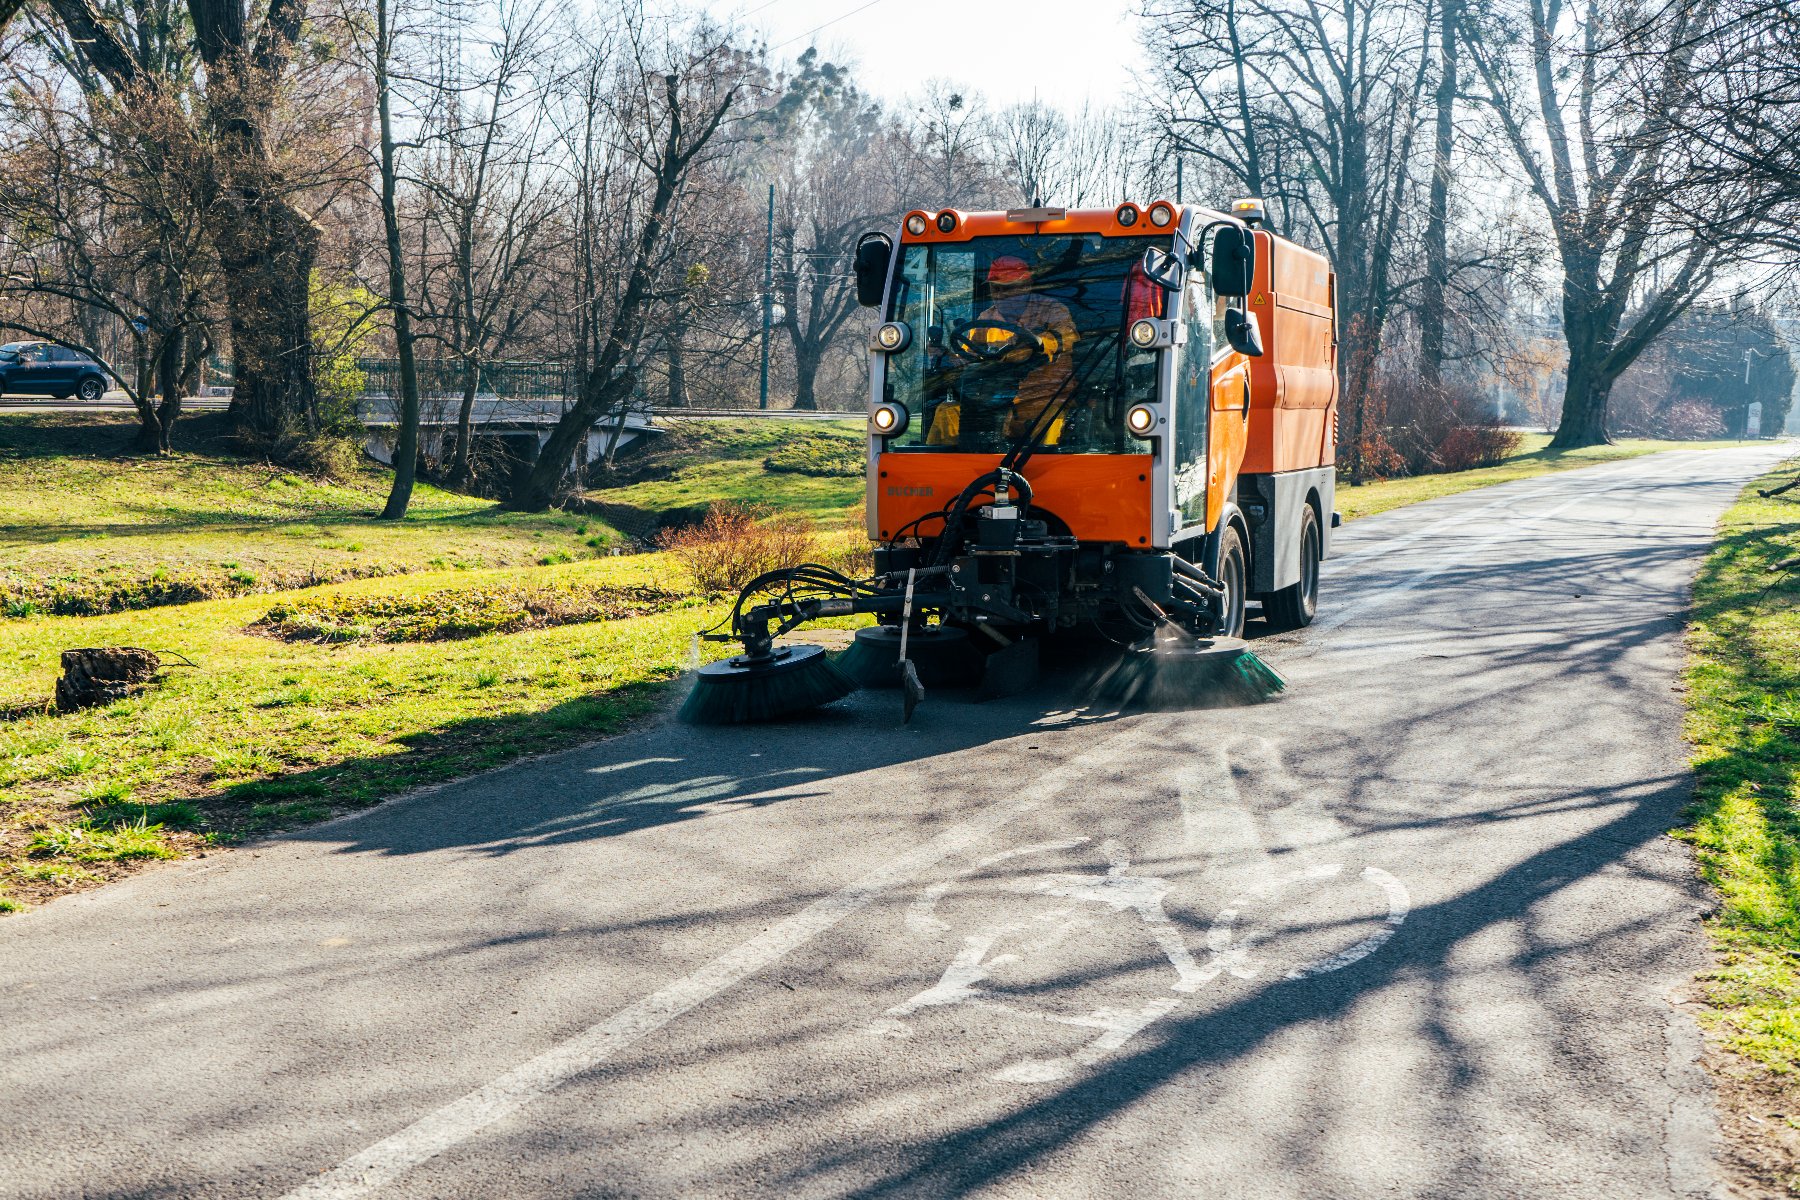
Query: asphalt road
{"x":1411,"y":930}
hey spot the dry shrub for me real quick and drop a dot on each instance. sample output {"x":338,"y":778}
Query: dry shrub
{"x":735,"y":543}
{"x":1691,"y":420}
{"x":855,"y":557}
{"x":1430,"y":429}
{"x":1469,"y":446}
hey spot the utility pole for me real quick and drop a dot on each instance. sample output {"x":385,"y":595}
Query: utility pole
{"x":1178,"y":179}
{"x":768,"y":298}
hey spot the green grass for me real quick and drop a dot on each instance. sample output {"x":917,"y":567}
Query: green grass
{"x":84,"y":531}
{"x":793,"y":466}
{"x":264,"y":733}
{"x":1744,"y":723}
{"x":1534,"y":457}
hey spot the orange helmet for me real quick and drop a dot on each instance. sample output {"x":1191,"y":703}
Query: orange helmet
{"x":1007,"y":269}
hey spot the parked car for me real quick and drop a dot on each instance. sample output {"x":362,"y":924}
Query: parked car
{"x":46,"y":369}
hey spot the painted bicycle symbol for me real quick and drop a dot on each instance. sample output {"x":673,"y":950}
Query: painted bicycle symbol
{"x":1230,"y":949}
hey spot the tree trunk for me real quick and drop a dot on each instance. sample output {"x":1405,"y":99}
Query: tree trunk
{"x":465,"y":419}
{"x":406,"y":449}
{"x":267,"y":252}
{"x":1585,"y":397}
{"x":149,"y":438}
{"x":1437,"y":209}
{"x":806,"y":371}
{"x":159,"y":373}
{"x":1356,"y":372}
{"x":677,"y":352}
{"x":1589,"y":335}
{"x":170,"y":369}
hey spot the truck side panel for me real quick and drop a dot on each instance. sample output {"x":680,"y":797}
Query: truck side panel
{"x":1294,"y":384}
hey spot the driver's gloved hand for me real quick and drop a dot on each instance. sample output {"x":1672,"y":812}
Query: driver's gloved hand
{"x":1051,"y":344}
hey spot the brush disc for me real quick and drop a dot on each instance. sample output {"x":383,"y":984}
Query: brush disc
{"x":942,"y":655}
{"x":734,"y":691}
{"x":1181,"y":673}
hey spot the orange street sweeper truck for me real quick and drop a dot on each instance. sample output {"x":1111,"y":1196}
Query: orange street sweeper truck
{"x":1117,"y":422}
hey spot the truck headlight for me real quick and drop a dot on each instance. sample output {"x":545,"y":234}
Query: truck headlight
{"x":1144,"y":333}
{"x":1140,"y":419}
{"x":888,"y":420}
{"x":893,"y":337}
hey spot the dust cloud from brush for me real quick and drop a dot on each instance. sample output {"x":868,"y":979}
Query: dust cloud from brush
{"x":1175,"y":669}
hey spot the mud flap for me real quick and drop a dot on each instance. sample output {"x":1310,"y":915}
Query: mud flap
{"x":1010,"y":670}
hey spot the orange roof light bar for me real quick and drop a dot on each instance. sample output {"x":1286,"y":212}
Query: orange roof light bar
{"x":951,"y":225}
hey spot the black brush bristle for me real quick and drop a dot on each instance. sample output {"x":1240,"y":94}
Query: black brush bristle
{"x":942,"y":655}
{"x":1173,"y":675}
{"x":737,"y":691}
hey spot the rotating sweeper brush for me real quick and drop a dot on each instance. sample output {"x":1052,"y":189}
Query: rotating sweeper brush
{"x":785,"y":681}
{"x":1173,"y":669}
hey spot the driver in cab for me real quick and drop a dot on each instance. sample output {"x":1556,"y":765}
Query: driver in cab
{"x":1049,"y":336}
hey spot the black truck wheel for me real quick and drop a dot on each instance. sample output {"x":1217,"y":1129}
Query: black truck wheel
{"x":1294,"y":606}
{"x":1233,"y":574}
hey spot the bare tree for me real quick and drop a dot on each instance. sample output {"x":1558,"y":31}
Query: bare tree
{"x":832,"y":147}
{"x":108,"y":212}
{"x":1316,"y":101}
{"x":665,"y":118}
{"x":949,"y":139}
{"x":1031,"y":140}
{"x":253,"y":115}
{"x":488,"y":214}
{"x":1591,"y":96}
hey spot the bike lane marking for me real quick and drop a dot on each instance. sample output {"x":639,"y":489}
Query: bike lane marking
{"x":1215,"y":820}
{"x":468,"y":1115}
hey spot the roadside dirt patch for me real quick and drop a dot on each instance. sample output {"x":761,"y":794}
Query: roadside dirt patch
{"x":1759,"y":1116}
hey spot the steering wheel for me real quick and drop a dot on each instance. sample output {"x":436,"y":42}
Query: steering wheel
{"x":989,"y":350}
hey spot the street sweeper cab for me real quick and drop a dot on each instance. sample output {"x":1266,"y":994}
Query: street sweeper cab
{"x":1114,"y":422}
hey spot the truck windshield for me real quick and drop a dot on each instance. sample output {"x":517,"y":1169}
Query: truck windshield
{"x":1009,"y":331}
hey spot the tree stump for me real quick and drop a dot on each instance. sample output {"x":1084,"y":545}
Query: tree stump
{"x":103,"y":674}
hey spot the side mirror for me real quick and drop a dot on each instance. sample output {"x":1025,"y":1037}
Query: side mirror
{"x":1162,"y":268}
{"x":874,"y":251}
{"x":1233,"y":261}
{"x":1243,"y":332}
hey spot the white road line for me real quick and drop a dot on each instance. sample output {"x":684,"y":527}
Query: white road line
{"x":461,"y":1119}
{"x":1470,"y":551}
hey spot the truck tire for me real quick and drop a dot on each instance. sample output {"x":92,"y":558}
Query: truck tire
{"x":1294,"y":606}
{"x":1233,"y":573}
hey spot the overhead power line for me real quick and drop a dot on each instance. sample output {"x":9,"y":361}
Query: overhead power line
{"x":827,"y":25}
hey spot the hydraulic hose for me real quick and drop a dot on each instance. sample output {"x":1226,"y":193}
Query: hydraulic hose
{"x":951,"y":539}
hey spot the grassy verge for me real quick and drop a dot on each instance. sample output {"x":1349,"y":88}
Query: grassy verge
{"x":1534,"y":458}
{"x":83,"y":531}
{"x":263,"y":732}
{"x":1744,"y":723}
{"x":799,"y":466}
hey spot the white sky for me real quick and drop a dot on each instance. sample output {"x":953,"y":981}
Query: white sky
{"x":1060,"y":50}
